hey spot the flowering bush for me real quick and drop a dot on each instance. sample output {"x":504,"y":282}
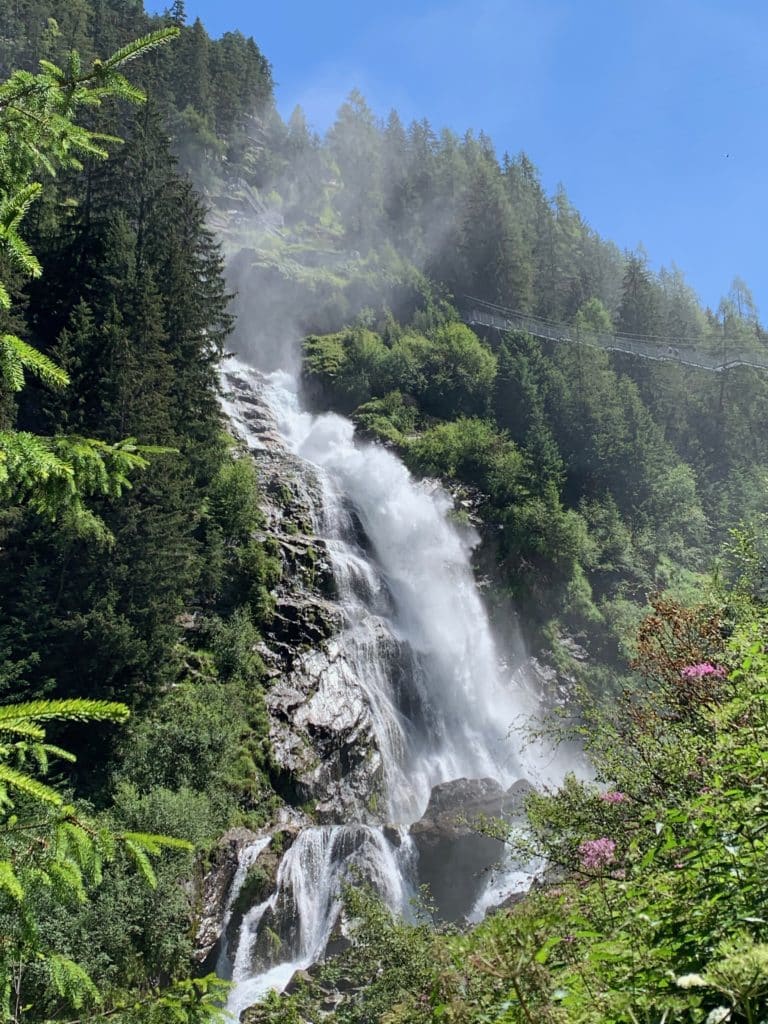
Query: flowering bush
{"x":701,"y":670}
{"x":613,"y":796}
{"x":597,"y":853}
{"x":663,"y":915}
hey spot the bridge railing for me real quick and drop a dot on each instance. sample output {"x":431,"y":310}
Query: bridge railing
{"x":486,"y":314}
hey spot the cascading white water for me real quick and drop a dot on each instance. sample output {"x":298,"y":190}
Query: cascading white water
{"x":247,"y":858}
{"x":307,"y":898}
{"x":450,"y":714}
{"x":467,"y":708}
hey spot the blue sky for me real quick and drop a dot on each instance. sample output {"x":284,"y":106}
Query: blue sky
{"x":652,"y":113}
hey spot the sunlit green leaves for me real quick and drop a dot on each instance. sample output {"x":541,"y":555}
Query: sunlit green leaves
{"x":55,"y":475}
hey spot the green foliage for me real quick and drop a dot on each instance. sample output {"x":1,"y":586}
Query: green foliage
{"x":16,"y":356}
{"x":234,"y":499}
{"x":39,"y":132}
{"x":55,"y":475}
{"x":654,"y":904}
{"x":599,"y":478}
{"x":53,"y":860}
{"x":61,"y":864}
{"x":388,"y":418}
{"x":473,"y":451}
{"x":448,"y":373}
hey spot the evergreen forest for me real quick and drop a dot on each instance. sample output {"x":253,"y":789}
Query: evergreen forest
{"x":158,"y":215}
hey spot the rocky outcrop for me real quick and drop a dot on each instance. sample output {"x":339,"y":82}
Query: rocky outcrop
{"x":221,"y":909}
{"x":321,"y":733}
{"x":454,"y":855}
{"x":327,"y":992}
{"x":554,"y":672}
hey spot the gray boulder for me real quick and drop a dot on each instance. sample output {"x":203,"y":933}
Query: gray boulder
{"x":454,"y":855}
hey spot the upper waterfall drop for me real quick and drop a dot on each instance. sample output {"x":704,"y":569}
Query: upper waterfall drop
{"x":460,"y":711}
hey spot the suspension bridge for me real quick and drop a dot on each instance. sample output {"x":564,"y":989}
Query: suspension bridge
{"x":478,"y":313}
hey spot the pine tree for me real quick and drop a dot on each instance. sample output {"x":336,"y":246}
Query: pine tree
{"x":178,"y":13}
{"x":498,"y":268}
{"x":639,"y":310}
{"x":355,"y":145}
{"x":38,"y":132}
{"x":140,"y":329}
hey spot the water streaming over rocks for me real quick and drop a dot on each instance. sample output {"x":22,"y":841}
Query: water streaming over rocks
{"x":294,"y":926}
{"x":246,"y":859}
{"x":402,"y":690}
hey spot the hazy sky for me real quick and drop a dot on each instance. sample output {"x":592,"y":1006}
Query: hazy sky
{"x":652,"y":113}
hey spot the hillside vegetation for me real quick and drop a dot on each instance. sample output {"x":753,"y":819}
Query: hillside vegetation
{"x":600,"y":482}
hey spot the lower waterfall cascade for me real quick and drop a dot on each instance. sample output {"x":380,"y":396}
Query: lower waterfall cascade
{"x":404,"y":581}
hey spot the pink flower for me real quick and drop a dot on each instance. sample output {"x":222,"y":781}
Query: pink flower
{"x":613,"y":796}
{"x":704,"y":668}
{"x":596,"y":853}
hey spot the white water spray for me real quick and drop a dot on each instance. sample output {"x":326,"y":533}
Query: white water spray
{"x":307,"y":901}
{"x":425,"y":563}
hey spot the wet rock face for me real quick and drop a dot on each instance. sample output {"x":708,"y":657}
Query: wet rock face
{"x":330,"y":995}
{"x":214,"y":889}
{"x":306,"y":915}
{"x":321,"y":733}
{"x":454,"y":857}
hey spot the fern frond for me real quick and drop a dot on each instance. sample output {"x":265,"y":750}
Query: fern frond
{"x":16,"y":352}
{"x":141,"y":860}
{"x":9,"y":882}
{"x":106,"y":843}
{"x":154,"y":844}
{"x":66,"y":880}
{"x":53,"y":475}
{"x":65,"y":755}
{"x":14,"y":207}
{"x":40,"y":755}
{"x":71,"y":981}
{"x":52,"y":70}
{"x":20,"y":252}
{"x":122,"y":89}
{"x":11,"y":368}
{"x":73,"y":842}
{"x":31,"y":730}
{"x":30,"y":470}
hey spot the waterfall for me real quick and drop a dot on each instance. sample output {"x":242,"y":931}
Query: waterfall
{"x":423,"y":561}
{"x":245,"y":861}
{"x":403,"y":576}
{"x":305,"y":905}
